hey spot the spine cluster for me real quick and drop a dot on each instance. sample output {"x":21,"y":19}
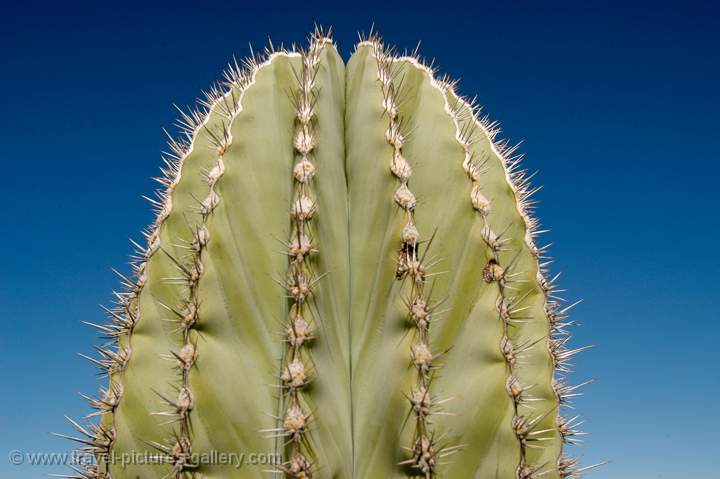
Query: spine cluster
{"x":295,"y":372}
{"x":98,"y":438}
{"x":411,"y":265}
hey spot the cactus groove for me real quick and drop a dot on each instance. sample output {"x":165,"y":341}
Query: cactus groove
{"x":342,"y":281}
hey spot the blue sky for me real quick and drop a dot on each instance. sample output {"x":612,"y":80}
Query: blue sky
{"x":618,"y":106}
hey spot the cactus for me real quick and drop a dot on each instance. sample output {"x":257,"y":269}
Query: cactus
{"x":342,"y":274}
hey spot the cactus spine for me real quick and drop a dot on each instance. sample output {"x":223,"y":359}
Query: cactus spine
{"x":362,"y":349}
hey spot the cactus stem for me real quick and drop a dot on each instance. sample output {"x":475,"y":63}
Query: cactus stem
{"x":533,"y":334}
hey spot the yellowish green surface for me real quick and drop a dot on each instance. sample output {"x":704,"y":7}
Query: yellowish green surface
{"x":359,"y":361}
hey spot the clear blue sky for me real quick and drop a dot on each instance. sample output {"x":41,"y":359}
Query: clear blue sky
{"x":619,"y":109}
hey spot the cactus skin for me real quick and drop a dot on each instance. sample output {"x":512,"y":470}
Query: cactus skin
{"x":342,"y":271}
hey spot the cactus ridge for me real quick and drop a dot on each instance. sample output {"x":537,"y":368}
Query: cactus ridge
{"x":225,"y":98}
{"x":424,"y":451}
{"x":199,"y":307}
{"x":469,"y":123}
{"x":186,"y":314}
{"x":296,"y":371}
{"x":508,"y":304}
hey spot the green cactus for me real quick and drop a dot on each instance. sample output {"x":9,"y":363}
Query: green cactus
{"x":342,"y":281}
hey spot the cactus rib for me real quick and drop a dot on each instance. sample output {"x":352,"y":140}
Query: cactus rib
{"x":494,"y":272}
{"x":190,"y":267}
{"x":225,"y":102}
{"x":411,"y":265}
{"x":509,"y":298}
{"x":301,"y":279}
{"x":466,"y":116}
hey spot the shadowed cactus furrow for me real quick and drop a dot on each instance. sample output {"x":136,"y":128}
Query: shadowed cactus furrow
{"x":342,"y":281}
